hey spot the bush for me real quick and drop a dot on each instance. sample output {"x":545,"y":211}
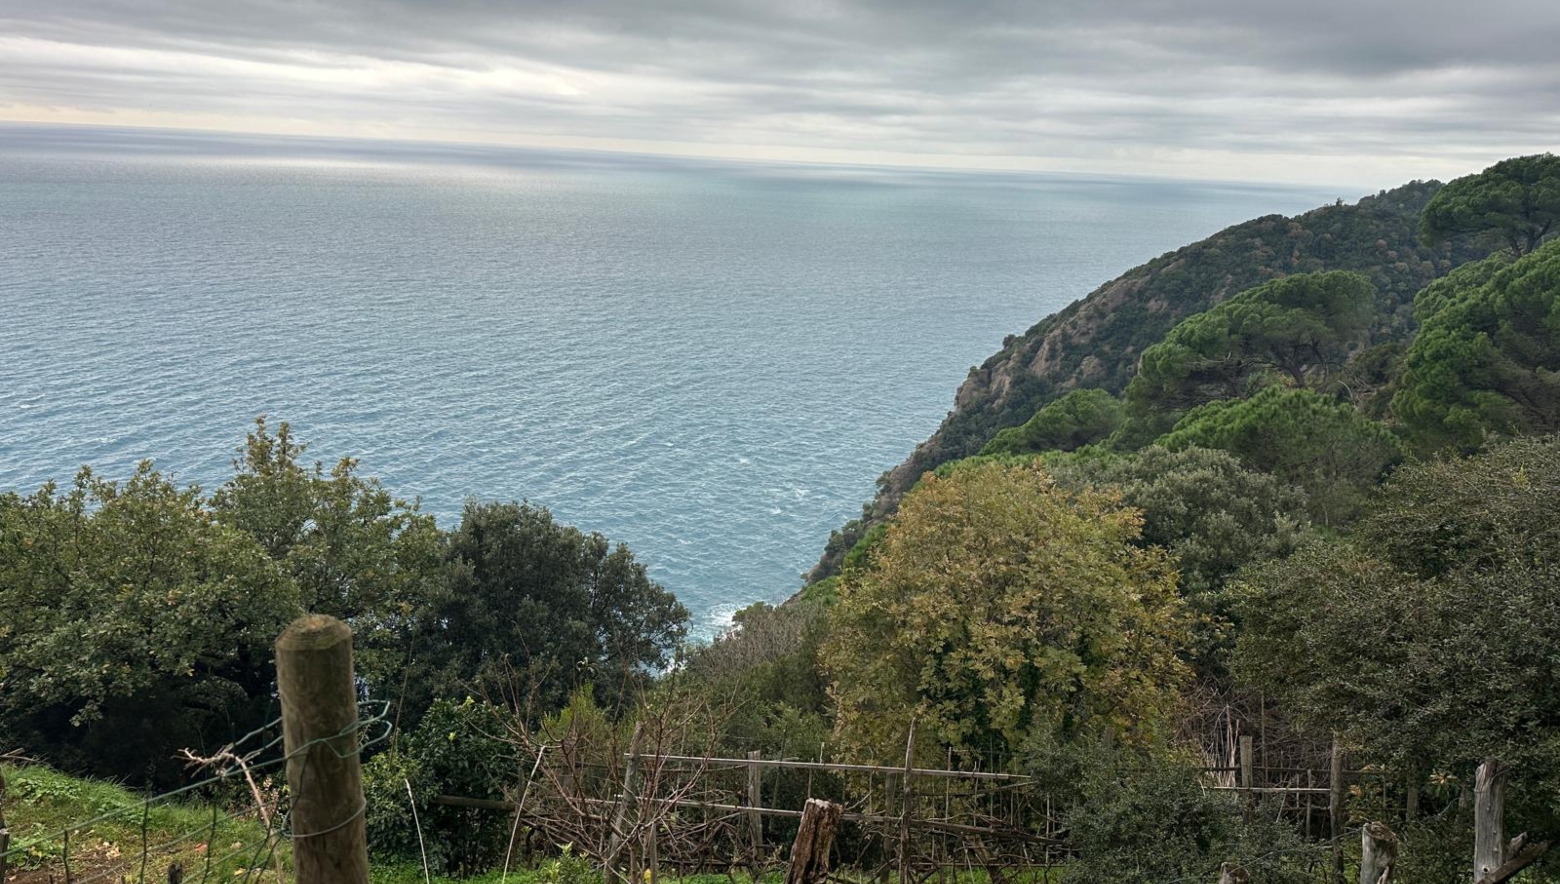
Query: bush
{"x":457,"y":749}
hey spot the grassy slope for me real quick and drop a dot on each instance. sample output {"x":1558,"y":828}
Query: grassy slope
{"x":104,"y":823}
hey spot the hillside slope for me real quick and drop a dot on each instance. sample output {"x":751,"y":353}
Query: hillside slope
{"x":1096,"y":341}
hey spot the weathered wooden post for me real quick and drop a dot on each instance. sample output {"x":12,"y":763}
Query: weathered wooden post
{"x":906,"y":795}
{"x":755,"y":819}
{"x":1247,"y":777}
{"x":5,"y":831}
{"x":1335,"y":808}
{"x":1489,"y":812}
{"x":1378,"y":853}
{"x":319,"y":730}
{"x":814,"y":839}
{"x":618,"y":836}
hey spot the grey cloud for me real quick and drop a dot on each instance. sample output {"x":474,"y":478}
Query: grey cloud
{"x":976,"y":78}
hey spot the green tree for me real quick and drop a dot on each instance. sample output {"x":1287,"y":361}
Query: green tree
{"x":1515,"y":202}
{"x":1212,"y":513}
{"x":528,"y":597}
{"x":1487,"y":358}
{"x":355,"y":551}
{"x":1431,"y":636}
{"x":999,"y":606}
{"x":1325,"y":447}
{"x":1082,"y":417}
{"x":1299,"y":327}
{"x":134,"y":624}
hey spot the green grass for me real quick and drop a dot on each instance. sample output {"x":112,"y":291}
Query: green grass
{"x":105,"y":829}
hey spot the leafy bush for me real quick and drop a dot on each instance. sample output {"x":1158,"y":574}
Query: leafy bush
{"x":457,"y":749}
{"x":1138,"y":816}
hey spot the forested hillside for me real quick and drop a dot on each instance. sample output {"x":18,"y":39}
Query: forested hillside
{"x":1096,"y":342}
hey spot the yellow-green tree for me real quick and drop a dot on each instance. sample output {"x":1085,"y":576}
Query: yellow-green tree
{"x":999,"y":607}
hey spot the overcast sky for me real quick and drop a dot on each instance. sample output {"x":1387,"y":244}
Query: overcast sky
{"x":1359,"y":92}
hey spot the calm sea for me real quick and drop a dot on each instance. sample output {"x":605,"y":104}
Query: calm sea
{"x":709,"y":361}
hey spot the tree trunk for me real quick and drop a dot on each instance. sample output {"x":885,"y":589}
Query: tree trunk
{"x":814,"y":839}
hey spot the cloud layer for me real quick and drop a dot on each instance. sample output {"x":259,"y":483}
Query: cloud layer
{"x":1324,"y":91}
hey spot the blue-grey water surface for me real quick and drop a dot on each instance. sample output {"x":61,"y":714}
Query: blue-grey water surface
{"x":709,"y":361}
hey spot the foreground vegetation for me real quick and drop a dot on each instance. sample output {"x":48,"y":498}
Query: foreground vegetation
{"x":1302,"y":478}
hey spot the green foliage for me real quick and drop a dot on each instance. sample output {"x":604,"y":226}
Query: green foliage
{"x":999,"y":606}
{"x":1433,"y":635}
{"x":1451,"y":288}
{"x":1303,"y":438}
{"x":135,"y":624}
{"x":352,"y":550}
{"x":767,"y":665}
{"x":1515,"y":202}
{"x":531,"y":599}
{"x":1080,"y":418}
{"x":457,"y":749}
{"x":1140,"y":817}
{"x":569,"y":867}
{"x":1487,"y":360}
{"x":1300,"y":327}
{"x":860,"y":555}
{"x":1203,"y":506}
{"x":391,"y":821}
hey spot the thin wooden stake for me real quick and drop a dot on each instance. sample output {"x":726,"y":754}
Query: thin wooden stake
{"x":1335,"y":808}
{"x":904,"y":809}
{"x":620,"y":816}
{"x":755,"y":817}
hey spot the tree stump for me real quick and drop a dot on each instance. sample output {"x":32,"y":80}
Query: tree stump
{"x":1378,"y":853}
{"x":814,"y":839}
{"x":1229,"y":873}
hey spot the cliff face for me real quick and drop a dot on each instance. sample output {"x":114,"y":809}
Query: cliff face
{"x":1096,"y":342}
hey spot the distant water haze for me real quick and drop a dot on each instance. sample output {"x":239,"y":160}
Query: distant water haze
{"x":711,"y":362}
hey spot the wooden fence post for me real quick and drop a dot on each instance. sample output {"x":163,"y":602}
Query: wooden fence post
{"x":319,"y":730}
{"x":616,"y":838}
{"x":814,"y":839}
{"x":1378,"y":853}
{"x":1335,"y":808}
{"x":1247,"y":777}
{"x":1489,"y":811}
{"x":755,"y":819}
{"x":5,"y":830}
{"x":1246,"y":774}
{"x":904,"y":807}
